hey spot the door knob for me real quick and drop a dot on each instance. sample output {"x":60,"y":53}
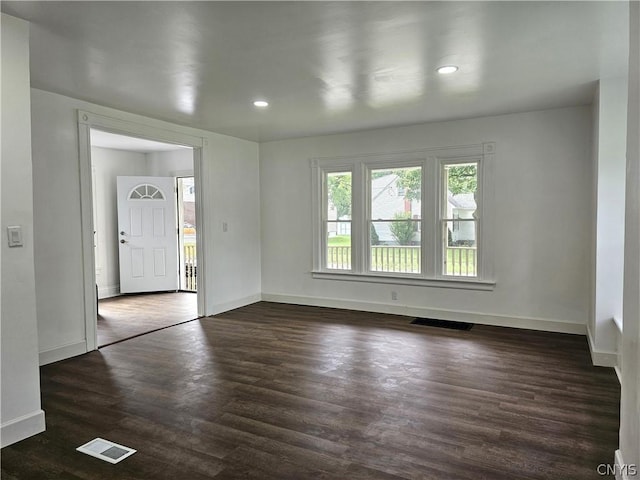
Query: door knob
{"x":123,"y":241}
{"x":122,"y":233}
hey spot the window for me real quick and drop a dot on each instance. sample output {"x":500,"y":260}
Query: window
{"x":409,"y":218}
{"x":459,"y":222}
{"x":394,"y":223}
{"x":146,"y":192}
{"x":337,"y":220}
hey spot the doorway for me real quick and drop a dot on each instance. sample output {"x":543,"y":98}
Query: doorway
{"x":187,"y":234}
{"x":137,"y":179}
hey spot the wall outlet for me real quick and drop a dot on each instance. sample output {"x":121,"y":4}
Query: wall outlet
{"x":225,"y":227}
{"x":394,"y":295}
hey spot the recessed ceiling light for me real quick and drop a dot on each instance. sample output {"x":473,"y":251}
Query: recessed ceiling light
{"x":447,"y":69}
{"x":261,"y":103}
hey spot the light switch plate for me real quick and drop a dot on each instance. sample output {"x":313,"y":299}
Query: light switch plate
{"x":14,"y":234}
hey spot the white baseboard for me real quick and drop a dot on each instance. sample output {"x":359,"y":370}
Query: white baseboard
{"x":22,"y":427}
{"x":601,"y":358}
{"x":63,"y":352}
{"x":618,"y":463}
{"x":241,"y":302}
{"x":624,"y":471}
{"x":459,"y":316}
{"x":618,"y":374}
{"x":108,"y":291}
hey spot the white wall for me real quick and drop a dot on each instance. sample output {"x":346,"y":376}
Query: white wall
{"x":20,"y":413}
{"x":107,"y":165}
{"x":541,"y":221}
{"x":610,"y":110}
{"x":174,"y":163}
{"x":231,"y":189}
{"x":629,"y":452}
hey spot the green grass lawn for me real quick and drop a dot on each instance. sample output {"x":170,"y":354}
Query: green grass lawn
{"x":340,"y":241}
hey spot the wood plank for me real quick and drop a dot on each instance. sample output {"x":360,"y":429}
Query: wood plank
{"x":127,"y":316}
{"x":273,"y":391}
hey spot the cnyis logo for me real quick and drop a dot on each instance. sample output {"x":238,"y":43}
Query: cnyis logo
{"x":625,"y":470}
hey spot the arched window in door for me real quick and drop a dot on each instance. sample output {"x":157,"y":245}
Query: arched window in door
{"x":146,"y":192}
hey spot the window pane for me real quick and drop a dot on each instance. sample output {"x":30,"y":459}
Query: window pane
{"x":395,"y":193}
{"x":395,"y":246}
{"x":460,"y":248}
{"x":395,"y":214}
{"x":338,"y":227}
{"x":339,"y":196}
{"x":339,"y":245}
{"x":460,"y":225}
{"x":462,"y":185}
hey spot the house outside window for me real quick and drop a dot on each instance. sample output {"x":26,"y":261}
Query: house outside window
{"x":337,"y":192}
{"x":395,"y":206}
{"x":410,"y":218}
{"x":459,"y":220}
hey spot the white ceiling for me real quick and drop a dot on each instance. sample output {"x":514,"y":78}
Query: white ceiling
{"x":325,"y":67}
{"x":131,"y":144}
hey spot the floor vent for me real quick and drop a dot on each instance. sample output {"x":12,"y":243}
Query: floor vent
{"x":106,"y":450}
{"x":432,"y":322}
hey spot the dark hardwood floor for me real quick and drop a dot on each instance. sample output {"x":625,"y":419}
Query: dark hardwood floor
{"x":126,"y":316}
{"x":274,"y":391}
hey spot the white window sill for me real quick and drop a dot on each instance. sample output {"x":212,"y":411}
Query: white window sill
{"x":458,"y":282}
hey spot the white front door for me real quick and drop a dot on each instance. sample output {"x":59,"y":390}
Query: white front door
{"x":147,"y":235}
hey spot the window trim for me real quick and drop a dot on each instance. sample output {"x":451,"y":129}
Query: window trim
{"x":464,"y":283}
{"x":441,"y":217}
{"x":432,"y":161}
{"x":369,"y":167}
{"x":324,"y":215}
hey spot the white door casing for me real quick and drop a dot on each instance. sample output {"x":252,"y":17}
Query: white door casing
{"x":135,"y":126}
{"x":147,"y":235}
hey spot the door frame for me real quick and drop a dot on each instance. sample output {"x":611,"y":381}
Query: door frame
{"x":87,"y":121}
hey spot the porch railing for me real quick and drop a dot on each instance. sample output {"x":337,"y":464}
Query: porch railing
{"x":190,"y":268}
{"x":339,"y":257}
{"x":399,"y":259}
{"x":460,"y":261}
